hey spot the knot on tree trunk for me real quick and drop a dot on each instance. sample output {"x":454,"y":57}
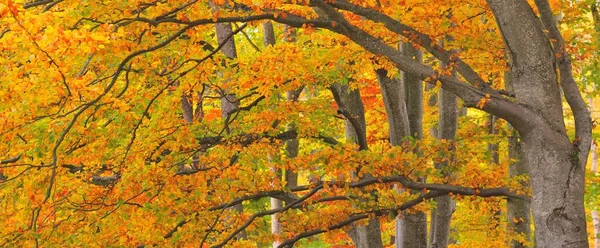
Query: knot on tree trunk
{"x":560,"y":224}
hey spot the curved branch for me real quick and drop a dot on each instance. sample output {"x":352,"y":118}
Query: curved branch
{"x":583,"y":121}
{"x":265,"y":213}
{"x":421,"y":39}
{"x":520,"y":117}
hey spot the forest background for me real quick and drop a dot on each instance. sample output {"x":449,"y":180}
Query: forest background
{"x":307,"y":123}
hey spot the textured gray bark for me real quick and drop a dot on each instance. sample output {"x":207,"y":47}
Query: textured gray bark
{"x":495,"y":159}
{"x":431,"y":102}
{"x":413,"y":88}
{"x":556,"y":164}
{"x":518,"y":210}
{"x":368,"y":236}
{"x":403,"y":100}
{"x":291,"y":177}
{"x":442,"y":214}
{"x":393,"y":94}
{"x":268,"y":34}
{"x":292,"y":145}
{"x":493,"y":146}
{"x":409,"y":227}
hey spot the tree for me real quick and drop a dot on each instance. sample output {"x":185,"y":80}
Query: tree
{"x":101,"y":151}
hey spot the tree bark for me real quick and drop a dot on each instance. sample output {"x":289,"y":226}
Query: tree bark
{"x":556,"y":165}
{"x":442,"y":214}
{"x":228,"y":100}
{"x":409,"y":227}
{"x":518,"y":210}
{"x":368,"y":236}
{"x":403,"y":100}
{"x":276,"y":228}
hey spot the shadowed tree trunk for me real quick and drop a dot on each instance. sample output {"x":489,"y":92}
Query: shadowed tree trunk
{"x":518,"y":210}
{"x":445,"y":206}
{"x":291,"y":177}
{"x":446,"y":130}
{"x":276,"y":228}
{"x":291,"y":145}
{"x":351,"y":106}
{"x":403,"y":103}
{"x":228,"y":100}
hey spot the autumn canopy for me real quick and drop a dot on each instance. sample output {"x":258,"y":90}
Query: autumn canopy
{"x":321,"y":123}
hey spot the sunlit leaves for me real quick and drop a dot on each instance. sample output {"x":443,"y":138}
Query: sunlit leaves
{"x":56,"y":62}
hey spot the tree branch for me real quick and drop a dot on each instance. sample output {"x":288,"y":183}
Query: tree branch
{"x":520,"y":117}
{"x":583,"y":121}
{"x":420,"y":39}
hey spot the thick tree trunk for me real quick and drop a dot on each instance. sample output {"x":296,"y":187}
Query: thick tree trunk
{"x":556,"y":165}
{"x":368,"y":236}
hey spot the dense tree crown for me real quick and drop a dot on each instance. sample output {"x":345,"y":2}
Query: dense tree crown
{"x":172,"y":123}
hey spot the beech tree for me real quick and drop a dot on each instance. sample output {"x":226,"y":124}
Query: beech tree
{"x":142,"y":123}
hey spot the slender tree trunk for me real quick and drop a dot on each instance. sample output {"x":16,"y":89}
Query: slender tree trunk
{"x":228,"y":100}
{"x":291,"y":145}
{"x":494,"y":161}
{"x":404,"y":105}
{"x":368,"y":236}
{"x":291,"y":177}
{"x":445,"y":205}
{"x":276,"y":228}
{"x":493,"y":146}
{"x":518,"y":210}
{"x":409,"y":227}
{"x":433,"y":132}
